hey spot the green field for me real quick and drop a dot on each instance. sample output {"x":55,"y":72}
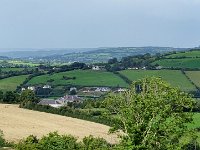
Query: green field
{"x":82,"y":78}
{"x":10,"y":84}
{"x":194,"y":77}
{"x":17,"y":62}
{"x":179,"y":63}
{"x":174,"y":77}
{"x":188,"y":54}
{"x":11,"y":69}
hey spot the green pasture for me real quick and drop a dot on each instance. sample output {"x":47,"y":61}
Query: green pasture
{"x":11,"y":69}
{"x":82,"y":78}
{"x":10,"y":84}
{"x":174,"y":77}
{"x":179,"y":63}
{"x":187,"y":54}
{"x":194,"y":77}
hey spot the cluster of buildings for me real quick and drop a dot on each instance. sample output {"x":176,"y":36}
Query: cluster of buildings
{"x":63,"y":101}
{"x":33,"y":88}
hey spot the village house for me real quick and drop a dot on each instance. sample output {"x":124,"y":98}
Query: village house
{"x":46,"y":87}
{"x":102,"y":89}
{"x":61,"y":101}
{"x":32,"y":88}
{"x":97,"y":68}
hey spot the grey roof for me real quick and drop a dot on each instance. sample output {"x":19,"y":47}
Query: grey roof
{"x":47,"y":102}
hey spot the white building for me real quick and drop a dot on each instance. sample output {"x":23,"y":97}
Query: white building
{"x":46,"y":87}
{"x":32,"y":88}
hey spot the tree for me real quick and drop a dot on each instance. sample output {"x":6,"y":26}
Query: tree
{"x":151,"y":114}
{"x":28,"y":95}
{"x":10,"y":97}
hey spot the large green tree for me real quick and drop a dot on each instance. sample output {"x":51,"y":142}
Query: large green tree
{"x":152,"y":115}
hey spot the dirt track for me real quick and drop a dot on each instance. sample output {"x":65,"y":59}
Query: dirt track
{"x":17,"y":123}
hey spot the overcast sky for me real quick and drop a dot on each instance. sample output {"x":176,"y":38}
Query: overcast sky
{"x":99,"y":23}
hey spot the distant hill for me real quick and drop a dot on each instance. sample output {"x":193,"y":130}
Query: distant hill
{"x":86,"y":55}
{"x":104,"y":54}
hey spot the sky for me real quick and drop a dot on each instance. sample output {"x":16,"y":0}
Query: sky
{"x":99,"y":23}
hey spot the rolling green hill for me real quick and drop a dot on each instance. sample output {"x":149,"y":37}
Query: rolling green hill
{"x":81,"y":78}
{"x":191,"y":63}
{"x":174,"y":77}
{"x":187,"y":54}
{"x":10,"y":84}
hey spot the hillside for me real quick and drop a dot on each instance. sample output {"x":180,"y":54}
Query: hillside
{"x":11,"y":83}
{"x":18,"y":123}
{"x":181,"y":60}
{"x":80,"y":78}
{"x":174,"y":77}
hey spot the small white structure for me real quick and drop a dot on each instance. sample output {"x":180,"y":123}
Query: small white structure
{"x":121,"y":90}
{"x":46,"y":87}
{"x":73,"y":88}
{"x":102,"y":89}
{"x":95,"y":68}
{"x":23,"y":89}
{"x":159,"y":67}
{"x":32,"y":88}
{"x":134,"y":68}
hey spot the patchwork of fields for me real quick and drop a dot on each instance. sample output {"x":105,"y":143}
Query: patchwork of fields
{"x":81,"y":78}
{"x":175,"y":77}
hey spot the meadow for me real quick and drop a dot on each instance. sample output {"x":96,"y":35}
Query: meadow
{"x":81,"y":78}
{"x":192,"y":63}
{"x":11,"y":83}
{"x":11,"y":69}
{"x":187,"y":54}
{"x":194,"y":77}
{"x":175,"y":77}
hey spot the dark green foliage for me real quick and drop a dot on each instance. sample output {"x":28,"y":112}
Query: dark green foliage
{"x":91,"y":143}
{"x":2,"y":140}
{"x":54,"y":141}
{"x":28,"y":95}
{"x":10,"y":97}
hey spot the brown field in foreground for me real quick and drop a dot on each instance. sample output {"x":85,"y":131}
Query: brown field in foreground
{"x":17,"y":123}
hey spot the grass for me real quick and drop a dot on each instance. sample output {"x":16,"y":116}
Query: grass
{"x":179,"y":63}
{"x":18,"y":62}
{"x":10,"y":84}
{"x":188,"y":54}
{"x":82,"y":78}
{"x":174,"y":77}
{"x":194,"y":77}
{"x":11,"y":69}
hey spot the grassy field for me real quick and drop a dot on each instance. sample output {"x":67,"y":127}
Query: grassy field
{"x":188,"y":54}
{"x":174,"y":77}
{"x":82,"y":78}
{"x":17,"y":62}
{"x":10,"y":84}
{"x":11,"y":69}
{"x":179,"y":63}
{"x":194,"y":77}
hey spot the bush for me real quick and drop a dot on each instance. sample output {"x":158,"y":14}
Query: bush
{"x":54,"y":141}
{"x":2,"y":140}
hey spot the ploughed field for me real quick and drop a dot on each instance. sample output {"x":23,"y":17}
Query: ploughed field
{"x":17,"y":123}
{"x":81,"y":78}
{"x":175,"y":77}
